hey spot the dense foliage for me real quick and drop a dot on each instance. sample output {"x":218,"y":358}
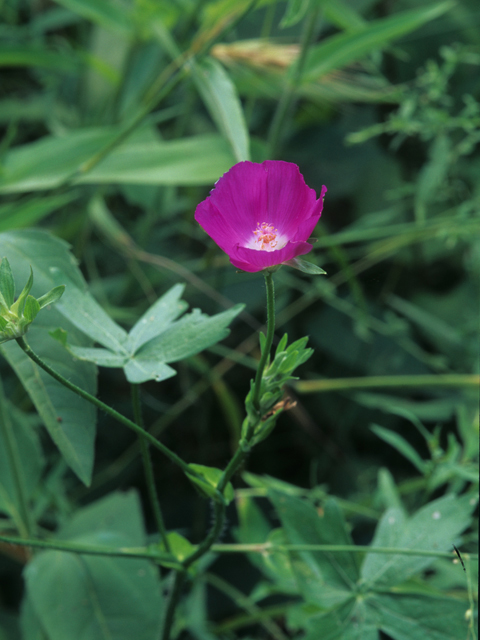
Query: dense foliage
{"x":118,"y":116}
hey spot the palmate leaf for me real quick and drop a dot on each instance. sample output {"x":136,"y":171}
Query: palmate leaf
{"x":434,"y":526}
{"x":156,"y":340}
{"x":158,"y":317}
{"x":343,"y":603}
{"x":323,"y":578}
{"x":402,"y":617}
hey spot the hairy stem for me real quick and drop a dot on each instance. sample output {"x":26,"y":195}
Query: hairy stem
{"x":268,"y":342}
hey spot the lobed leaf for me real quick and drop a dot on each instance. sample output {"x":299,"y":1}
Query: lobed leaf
{"x":190,"y":335}
{"x":324,"y":578}
{"x":434,"y":526}
{"x":157,"y":318}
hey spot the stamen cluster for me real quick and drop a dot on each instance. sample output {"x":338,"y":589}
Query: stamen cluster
{"x":266,"y":236}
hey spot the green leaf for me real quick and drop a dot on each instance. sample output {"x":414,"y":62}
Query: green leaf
{"x":141,"y":369}
{"x":157,"y":318}
{"x":180,"y":548}
{"x":14,"y":56}
{"x":434,"y":172}
{"x":387,"y":490}
{"x":340,"y":50}
{"x":31,"y":309}
{"x":212,"y":477}
{"x":60,"y":335}
{"x":278,"y":566}
{"x":88,"y":316}
{"x":343,"y":15}
{"x":255,"y":528}
{"x":118,"y":512}
{"x":190,"y":335}
{"x":221,"y":99}
{"x":418,"y":617}
{"x":352,"y":620}
{"x":7,"y":283}
{"x":52,"y":296}
{"x":22,"y":428}
{"x":101,"y":357}
{"x":14,"y":215}
{"x":153,"y":342}
{"x":105,"y":597}
{"x":69,"y":420}
{"x":30,"y":623}
{"x":434,"y":527}
{"x":108,"y":14}
{"x":47,"y":163}
{"x":324,"y":578}
{"x":401,"y":445}
{"x":295,"y":11}
{"x":306,"y":267}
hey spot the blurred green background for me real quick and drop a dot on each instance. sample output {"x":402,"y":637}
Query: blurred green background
{"x":117,"y":118}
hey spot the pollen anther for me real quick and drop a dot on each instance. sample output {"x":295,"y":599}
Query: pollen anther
{"x":266,"y":236}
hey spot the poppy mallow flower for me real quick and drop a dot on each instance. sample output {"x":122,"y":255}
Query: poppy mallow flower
{"x":261,"y":215}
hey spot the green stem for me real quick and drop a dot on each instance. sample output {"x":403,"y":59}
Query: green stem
{"x":244,"y":602}
{"x":179,"y":580}
{"x":268,"y":342}
{"x":426,"y":380}
{"x":147,"y":465}
{"x":263,"y":548}
{"x":232,"y":467}
{"x":104,"y":407}
{"x":24,"y":522}
{"x":219,"y":519}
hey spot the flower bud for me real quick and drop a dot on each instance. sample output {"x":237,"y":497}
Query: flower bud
{"x":17,"y":315}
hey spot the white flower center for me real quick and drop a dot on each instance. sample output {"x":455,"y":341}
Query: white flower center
{"x":266,"y":237}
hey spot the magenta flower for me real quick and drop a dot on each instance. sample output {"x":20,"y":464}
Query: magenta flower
{"x":261,"y":215}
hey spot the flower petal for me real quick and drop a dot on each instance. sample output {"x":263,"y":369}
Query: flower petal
{"x":289,"y":200}
{"x":305,"y":227}
{"x":214,"y":223}
{"x":252,"y":260}
{"x":240,"y":200}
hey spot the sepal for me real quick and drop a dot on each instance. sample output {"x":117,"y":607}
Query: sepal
{"x":206,"y":480}
{"x":306,"y":267}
